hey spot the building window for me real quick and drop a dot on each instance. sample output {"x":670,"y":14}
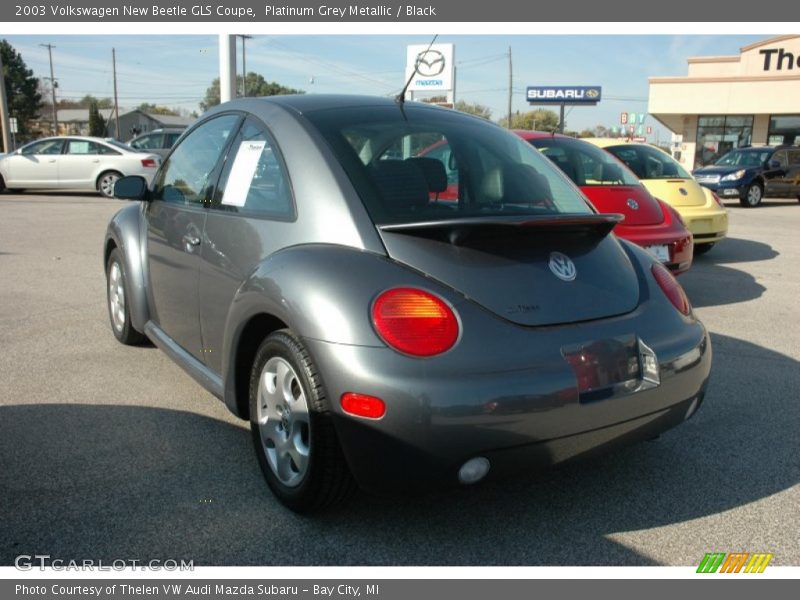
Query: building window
{"x":784,"y":130}
{"x":717,"y":135}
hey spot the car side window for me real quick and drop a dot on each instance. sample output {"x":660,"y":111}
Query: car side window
{"x":794,"y":158}
{"x":170,"y":139}
{"x":781,"y":157}
{"x":44,"y":147}
{"x":106,"y":150}
{"x":78,"y":147}
{"x":254,"y":179}
{"x":185,"y":177}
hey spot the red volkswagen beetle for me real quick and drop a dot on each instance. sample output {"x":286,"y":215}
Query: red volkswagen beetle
{"x":613,"y":188}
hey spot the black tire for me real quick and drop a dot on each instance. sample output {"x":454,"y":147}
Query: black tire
{"x":105,"y":183}
{"x":752,"y":195}
{"x":121,"y":324}
{"x":703,"y":248}
{"x":16,"y":190}
{"x":2,"y":184}
{"x":324,"y":478}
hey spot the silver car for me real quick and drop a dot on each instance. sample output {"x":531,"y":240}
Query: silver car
{"x":299,"y":257}
{"x":74,"y":163}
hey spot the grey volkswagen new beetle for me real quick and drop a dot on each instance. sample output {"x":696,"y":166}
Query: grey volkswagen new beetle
{"x":293,"y":255}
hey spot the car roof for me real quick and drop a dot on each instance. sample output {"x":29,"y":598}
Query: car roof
{"x":301,"y":103}
{"x":526,"y":134}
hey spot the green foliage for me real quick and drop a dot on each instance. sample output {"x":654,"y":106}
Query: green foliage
{"x":22,"y":93}
{"x":256,"y":86}
{"x":153,"y":109}
{"x":538,"y":120}
{"x":473,"y":108}
{"x":97,"y":124}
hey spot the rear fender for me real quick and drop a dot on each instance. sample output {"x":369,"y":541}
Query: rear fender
{"x":321,"y":292}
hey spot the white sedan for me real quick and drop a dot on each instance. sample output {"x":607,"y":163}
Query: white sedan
{"x":74,"y":163}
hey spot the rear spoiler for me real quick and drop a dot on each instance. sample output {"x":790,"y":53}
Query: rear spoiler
{"x":457,"y":231}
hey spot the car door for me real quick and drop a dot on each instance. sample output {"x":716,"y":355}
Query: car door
{"x":793,"y":172}
{"x":78,"y":164}
{"x":36,"y":165}
{"x":250,"y":218}
{"x":175,"y":222}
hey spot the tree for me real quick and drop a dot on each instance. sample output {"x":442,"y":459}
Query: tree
{"x":156,"y":110}
{"x":97,"y":124}
{"x":22,"y":88}
{"x":473,"y":108}
{"x":256,"y":86}
{"x":541,"y":120}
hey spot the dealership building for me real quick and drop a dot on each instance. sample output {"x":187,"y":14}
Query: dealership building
{"x":729,"y":101}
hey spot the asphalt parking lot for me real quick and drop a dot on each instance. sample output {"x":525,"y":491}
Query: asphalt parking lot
{"x":111,"y":452}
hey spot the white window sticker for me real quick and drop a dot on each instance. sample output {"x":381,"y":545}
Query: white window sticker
{"x":242,"y":171}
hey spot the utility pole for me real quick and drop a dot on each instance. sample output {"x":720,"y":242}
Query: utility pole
{"x":116,"y":103}
{"x":244,"y":63}
{"x":4,"y":110}
{"x":510,"y":86}
{"x":52,"y":86}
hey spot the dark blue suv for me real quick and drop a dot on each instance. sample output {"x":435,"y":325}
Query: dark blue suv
{"x":753,"y":173}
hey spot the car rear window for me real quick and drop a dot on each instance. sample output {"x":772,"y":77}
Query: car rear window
{"x":585,"y":164}
{"x":648,"y":162}
{"x":422,"y":164}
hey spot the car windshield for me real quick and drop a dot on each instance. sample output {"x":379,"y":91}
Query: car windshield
{"x":648,"y":162}
{"x":583,"y":163}
{"x":744,"y":158}
{"x":422,"y":164}
{"x":120,"y":145}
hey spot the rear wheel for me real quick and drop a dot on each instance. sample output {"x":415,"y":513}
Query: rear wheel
{"x":295,"y":442}
{"x":752,"y":196}
{"x":117,"y":294}
{"x":106,"y":182}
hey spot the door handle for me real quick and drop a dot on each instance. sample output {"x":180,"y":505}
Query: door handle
{"x":52,"y":160}
{"x":190,"y":241}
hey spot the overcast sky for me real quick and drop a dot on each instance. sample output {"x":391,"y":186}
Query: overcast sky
{"x":176,"y":70}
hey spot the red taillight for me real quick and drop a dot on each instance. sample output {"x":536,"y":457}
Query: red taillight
{"x":718,"y":200}
{"x":414,"y":322}
{"x":149,"y":162}
{"x":362,"y":405}
{"x":671,"y":288}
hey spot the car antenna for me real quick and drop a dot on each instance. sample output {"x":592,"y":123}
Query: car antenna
{"x":401,"y":97}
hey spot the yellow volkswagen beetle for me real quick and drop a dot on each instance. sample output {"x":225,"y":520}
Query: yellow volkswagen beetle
{"x":702,"y":210}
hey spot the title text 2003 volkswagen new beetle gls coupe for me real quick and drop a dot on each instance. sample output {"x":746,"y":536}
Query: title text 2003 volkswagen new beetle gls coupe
{"x":292,"y":255}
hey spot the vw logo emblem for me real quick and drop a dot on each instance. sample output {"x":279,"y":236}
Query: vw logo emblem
{"x":632,"y":204}
{"x":429,"y":63}
{"x":683,"y":191}
{"x":562,"y":267}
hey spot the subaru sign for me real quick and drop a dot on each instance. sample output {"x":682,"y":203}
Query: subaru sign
{"x":572,"y":94}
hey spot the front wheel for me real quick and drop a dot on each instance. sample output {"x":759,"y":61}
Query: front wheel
{"x":752,"y":196}
{"x":106,"y":183}
{"x":295,"y":442}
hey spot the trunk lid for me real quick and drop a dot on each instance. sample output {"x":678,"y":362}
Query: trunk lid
{"x":511,"y":265}
{"x":633,"y":201}
{"x":676,"y":192}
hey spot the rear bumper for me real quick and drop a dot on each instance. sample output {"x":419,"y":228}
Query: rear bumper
{"x":520,"y":420}
{"x":707,"y":225}
{"x":673,"y":236}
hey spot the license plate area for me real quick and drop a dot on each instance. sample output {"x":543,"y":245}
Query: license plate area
{"x":661,"y":252}
{"x":611,"y":367}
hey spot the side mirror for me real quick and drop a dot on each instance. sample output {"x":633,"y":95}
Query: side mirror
{"x":131,"y":187}
{"x":774,"y":164}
